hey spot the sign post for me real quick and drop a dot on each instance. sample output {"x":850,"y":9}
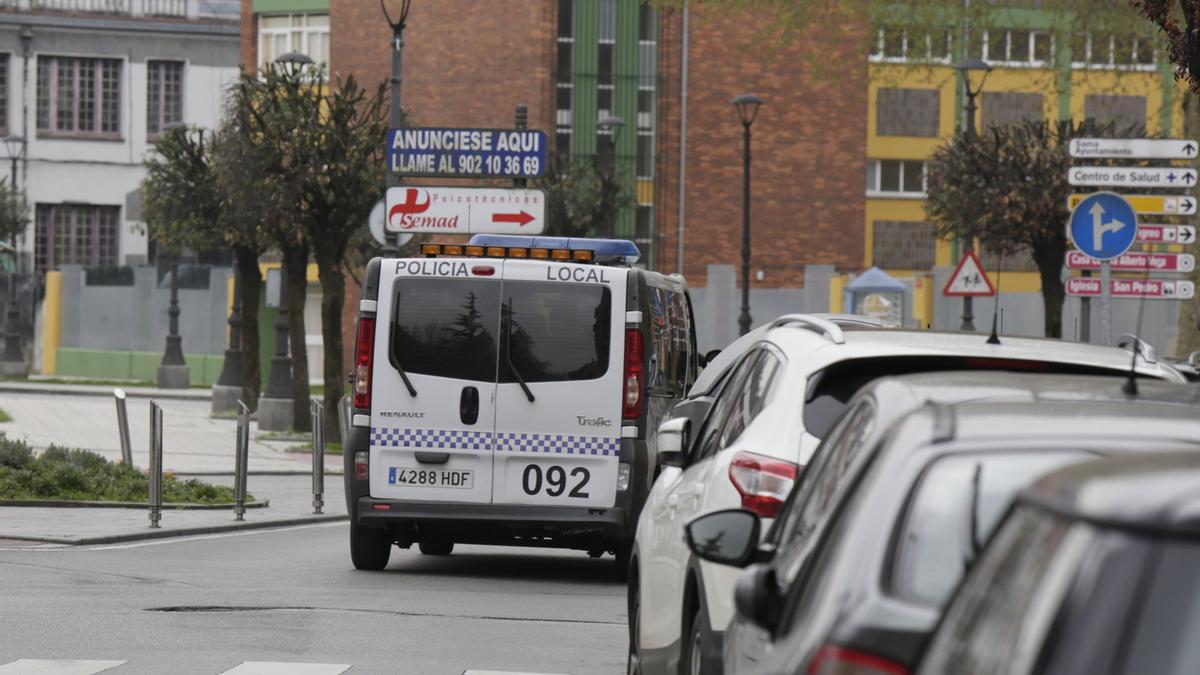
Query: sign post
{"x":1103,"y":226}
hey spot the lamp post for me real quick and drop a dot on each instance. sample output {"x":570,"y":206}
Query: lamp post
{"x":610,"y":125}
{"x":228,"y":389}
{"x":12,"y":364}
{"x":395,"y":112}
{"x":293,"y":63}
{"x":747,"y":109}
{"x":967,"y":67}
{"x":173,"y":371}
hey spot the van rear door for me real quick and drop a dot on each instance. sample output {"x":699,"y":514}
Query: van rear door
{"x":558,"y":400}
{"x":435,"y":441}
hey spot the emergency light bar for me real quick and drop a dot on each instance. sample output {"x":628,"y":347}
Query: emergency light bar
{"x":605,"y":251}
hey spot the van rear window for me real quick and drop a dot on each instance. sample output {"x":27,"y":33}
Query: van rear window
{"x":446,"y":327}
{"x":558,"y":331}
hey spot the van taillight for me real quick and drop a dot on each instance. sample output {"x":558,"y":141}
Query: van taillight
{"x":362,"y":363}
{"x":838,"y":661}
{"x":631,"y":402}
{"x":763,"y":482}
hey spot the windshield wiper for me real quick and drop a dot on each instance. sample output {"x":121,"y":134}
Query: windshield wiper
{"x":395,"y":358}
{"x":508,"y":355}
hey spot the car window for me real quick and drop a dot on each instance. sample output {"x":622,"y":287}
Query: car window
{"x":555,"y":331}
{"x":952,"y":511}
{"x":669,"y":351}
{"x":751,"y":398}
{"x":1008,"y":597}
{"x":727,"y":396}
{"x":1164,"y":635}
{"x":446,"y":327}
{"x":841,"y":461}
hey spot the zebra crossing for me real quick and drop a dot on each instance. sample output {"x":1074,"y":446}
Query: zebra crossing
{"x":91,"y":667}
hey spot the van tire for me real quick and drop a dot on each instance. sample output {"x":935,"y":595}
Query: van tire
{"x":369,"y":548}
{"x":436,"y":547}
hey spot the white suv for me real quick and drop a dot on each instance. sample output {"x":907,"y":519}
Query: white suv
{"x":766,"y":419}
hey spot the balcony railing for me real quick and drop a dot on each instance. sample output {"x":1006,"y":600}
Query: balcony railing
{"x":147,"y":8}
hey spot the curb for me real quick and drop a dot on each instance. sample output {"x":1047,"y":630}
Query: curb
{"x":70,"y":390}
{"x":92,"y":504}
{"x":181,"y":532}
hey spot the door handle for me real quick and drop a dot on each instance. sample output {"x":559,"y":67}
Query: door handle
{"x":468,"y":405}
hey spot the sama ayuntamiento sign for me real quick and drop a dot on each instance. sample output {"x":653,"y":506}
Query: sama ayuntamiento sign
{"x":467,"y":153}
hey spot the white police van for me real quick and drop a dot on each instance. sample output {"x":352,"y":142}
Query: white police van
{"x":506,"y":392}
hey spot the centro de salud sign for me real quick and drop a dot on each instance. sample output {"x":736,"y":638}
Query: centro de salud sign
{"x":467,"y":153}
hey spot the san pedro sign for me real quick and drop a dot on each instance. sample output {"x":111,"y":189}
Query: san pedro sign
{"x":467,"y":153}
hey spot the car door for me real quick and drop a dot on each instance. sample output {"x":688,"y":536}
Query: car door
{"x":434,"y":382}
{"x":667,"y":554}
{"x":559,"y":391}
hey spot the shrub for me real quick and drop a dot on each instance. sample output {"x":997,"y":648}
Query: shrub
{"x":14,"y":454}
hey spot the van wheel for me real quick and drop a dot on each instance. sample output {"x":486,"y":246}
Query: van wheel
{"x":369,"y":548}
{"x":432,"y":547}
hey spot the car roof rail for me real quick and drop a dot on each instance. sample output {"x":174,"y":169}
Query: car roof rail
{"x":1144,"y":349}
{"x":825,"y":327}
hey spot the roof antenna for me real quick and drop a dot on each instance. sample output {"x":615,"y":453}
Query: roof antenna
{"x":994,"y":338}
{"x":1131,"y":387}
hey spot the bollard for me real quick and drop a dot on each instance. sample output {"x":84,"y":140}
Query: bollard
{"x":123,"y":427}
{"x":156,"y":453}
{"x":317,"y":410}
{"x":241,"y":460}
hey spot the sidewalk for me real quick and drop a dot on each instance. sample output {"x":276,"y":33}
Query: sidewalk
{"x":194,"y":444}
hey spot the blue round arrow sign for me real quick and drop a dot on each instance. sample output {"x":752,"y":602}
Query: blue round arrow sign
{"x":1103,"y":225}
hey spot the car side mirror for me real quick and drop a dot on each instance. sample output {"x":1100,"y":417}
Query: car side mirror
{"x":757,"y":597}
{"x":708,"y":357}
{"x":728,"y":537}
{"x":672,"y":441}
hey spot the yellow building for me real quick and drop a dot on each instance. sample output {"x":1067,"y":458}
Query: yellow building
{"x":916,"y":104}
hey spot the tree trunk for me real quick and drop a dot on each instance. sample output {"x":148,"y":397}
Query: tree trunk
{"x":295,"y":268}
{"x":333,"y":290}
{"x":249,"y":291}
{"x":1049,"y":256}
{"x":1188,"y":339}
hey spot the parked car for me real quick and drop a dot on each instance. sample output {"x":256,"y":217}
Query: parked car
{"x":865,"y":555}
{"x":754,"y":438}
{"x":1095,"y":571}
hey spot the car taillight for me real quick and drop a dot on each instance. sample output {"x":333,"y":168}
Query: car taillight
{"x":839,"y":661}
{"x":361,"y":459}
{"x":362,"y":363}
{"x":631,"y":402}
{"x":763,"y":482}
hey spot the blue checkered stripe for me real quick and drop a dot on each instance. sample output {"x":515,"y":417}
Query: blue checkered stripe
{"x":440,"y":439}
{"x":558,"y":444}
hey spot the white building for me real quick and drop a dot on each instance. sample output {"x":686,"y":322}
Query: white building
{"x":88,"y":84}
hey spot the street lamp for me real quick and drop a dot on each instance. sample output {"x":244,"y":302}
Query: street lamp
{"x":293,"y":63}
{"x":12,"y":363}
{"x":967,"y":67}
{"x":747,"y":109}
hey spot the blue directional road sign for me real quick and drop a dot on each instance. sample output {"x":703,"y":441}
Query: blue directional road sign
{"x":1103,"y":225}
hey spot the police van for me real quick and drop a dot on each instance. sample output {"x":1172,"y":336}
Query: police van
{"x":506,"y":392}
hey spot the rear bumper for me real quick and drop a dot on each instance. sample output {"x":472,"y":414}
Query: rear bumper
{"x":501,"y":524}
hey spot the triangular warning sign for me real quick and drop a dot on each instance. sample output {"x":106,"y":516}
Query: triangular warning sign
{"x":969,"y":279}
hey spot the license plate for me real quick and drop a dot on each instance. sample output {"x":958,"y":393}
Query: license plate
{"x":434,"y":478}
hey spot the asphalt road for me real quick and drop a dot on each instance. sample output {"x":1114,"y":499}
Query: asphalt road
{"x":208,"y":605}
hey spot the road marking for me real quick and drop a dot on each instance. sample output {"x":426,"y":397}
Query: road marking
{"x":503,"y":672}
{"x":280,"y":668}
{"x":56,"y":667}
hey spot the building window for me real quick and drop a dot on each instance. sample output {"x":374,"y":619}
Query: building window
{"x":164,"y":95}
{"x":280,"y":34}
{"x":647,"y":87}
{"x":1016,"y":47}
{"x":4,"y":94}
{"x":903,"y":245}
{"x":563,"y":78}
{"x":895,"y":178}
{"x":78,"y":96}
{"x":1113,"y":51}
{"x":1123,"y":112}
{"x":1004,"y":108}
{"x":894,"y":44}
{"x":907,"y":112}
{"x":76,"y":234}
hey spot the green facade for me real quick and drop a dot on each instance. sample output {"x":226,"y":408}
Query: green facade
{"x":288,"y":6}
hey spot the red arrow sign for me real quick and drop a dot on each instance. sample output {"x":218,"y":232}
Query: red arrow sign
{"x":521,"y":219}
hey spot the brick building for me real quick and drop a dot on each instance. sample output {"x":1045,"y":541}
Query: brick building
{"x":575,"y":61}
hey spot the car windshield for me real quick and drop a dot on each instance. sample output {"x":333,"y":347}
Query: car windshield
{"x":954,"y":509}
{"x":831,"y":389}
